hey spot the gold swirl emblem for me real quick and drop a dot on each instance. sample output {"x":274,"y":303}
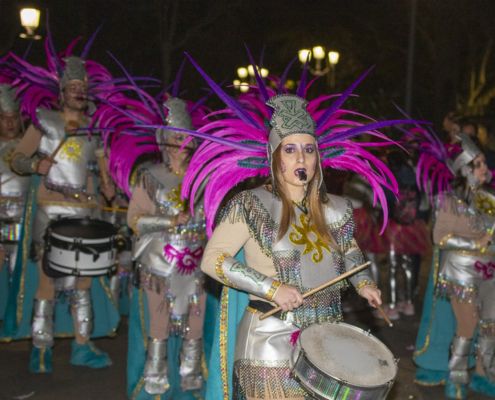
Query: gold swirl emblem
{"x":306,"y":235}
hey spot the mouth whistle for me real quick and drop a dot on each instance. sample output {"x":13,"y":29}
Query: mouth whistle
{"x":302,"y":175}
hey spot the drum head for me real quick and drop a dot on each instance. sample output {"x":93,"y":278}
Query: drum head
{"x":347,"y":353}
{"x":83,"y":228}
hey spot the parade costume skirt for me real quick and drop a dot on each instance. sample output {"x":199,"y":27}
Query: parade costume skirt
{"x":261,"y":366}
{"x":462,"y":274}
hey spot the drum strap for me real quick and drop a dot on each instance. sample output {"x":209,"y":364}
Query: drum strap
{"x":263,"y":307}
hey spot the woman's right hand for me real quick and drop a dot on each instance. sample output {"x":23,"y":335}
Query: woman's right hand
{"x":288,"y":297}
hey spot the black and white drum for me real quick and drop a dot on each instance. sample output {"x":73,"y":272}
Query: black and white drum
{"x":339,"y":361}
{"x":80,"y":247}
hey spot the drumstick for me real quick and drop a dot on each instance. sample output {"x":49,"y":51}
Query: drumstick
{"x":116,"y":209}
{"x":384,"y":315}
{"x":51,"y":157}
{"x":318,"y":288}
{"x":71,"y":126}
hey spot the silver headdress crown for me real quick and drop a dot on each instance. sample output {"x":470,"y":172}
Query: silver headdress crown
{"x":8,"y":102}
{"x":178,"y":116}
{"x":289,"y":117}
{"x":74,"y":70}
{"x":469,"y":152}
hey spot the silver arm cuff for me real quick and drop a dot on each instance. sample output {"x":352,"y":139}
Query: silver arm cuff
{"x":458,"y":242}
{"x":23,"y":165}
{"x":353,"y":258}
{"x":235,"y":274}
{"x":149,"y":224}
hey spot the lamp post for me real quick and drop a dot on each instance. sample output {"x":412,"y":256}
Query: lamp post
{"x":320,"y":67}
{"x":246,"y":77}
{"x":30,"y":20}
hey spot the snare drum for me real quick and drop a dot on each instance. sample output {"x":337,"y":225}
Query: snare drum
{"x":339,"y":361}
{"x":80,"y":247}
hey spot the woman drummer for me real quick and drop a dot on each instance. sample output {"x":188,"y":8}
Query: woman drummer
{"x":294,"y":235}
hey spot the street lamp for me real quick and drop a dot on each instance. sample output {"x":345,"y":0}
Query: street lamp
{"x":30,"y":20}
{"x":322,"y":65}
{"x":246,"y":77}
{"x":333,"y":59}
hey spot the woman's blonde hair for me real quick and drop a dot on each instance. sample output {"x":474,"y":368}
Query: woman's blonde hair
{"x":314,"y":201}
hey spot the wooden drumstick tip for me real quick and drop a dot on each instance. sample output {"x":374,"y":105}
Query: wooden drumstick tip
{"x":385,"y":316}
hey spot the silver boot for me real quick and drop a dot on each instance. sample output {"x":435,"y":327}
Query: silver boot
{"x":155,"y":369}
{"x":82,"y":312}
{"x":458,"y":362}
{"x":115,"y":288}
{"x":486,"y":350}
{"x":190,"y":364}
{"x":42,"y":327}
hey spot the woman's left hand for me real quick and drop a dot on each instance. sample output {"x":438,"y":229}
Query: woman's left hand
{"x":372,"y":294}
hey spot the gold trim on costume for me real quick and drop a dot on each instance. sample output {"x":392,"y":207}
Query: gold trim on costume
{"x":364,"y":283}
{"x":224,"y":320}
{"x":273,"y":289}
{"x":436,"y":266}
{"x":219,"y":269}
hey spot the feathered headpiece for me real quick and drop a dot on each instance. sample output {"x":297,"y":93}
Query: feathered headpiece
{"x":237,"y":144}
{"x":40,"y":87}
{"x":133,"y":126}
{"x":438,"y":163}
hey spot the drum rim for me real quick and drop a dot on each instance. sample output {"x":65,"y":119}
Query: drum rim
{"x":302,"y":354}
{"x":71,"y":239}
{"x":61,"y":221}
{"x":357,"y":328}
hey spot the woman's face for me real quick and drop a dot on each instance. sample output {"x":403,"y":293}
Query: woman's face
{"x":298,"y":159}
{"x":480,"y":169}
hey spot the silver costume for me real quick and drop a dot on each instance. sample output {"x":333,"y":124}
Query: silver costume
{"x":302,"y":259}
{"x":467,"y":274}
{"x":13,"y":193}
{"x":168,"y":253}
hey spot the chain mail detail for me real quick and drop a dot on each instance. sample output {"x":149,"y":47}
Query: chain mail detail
{"x":150,"y":183}
{"x":323,"y":306}
{"x":261,"y":379}
{"x":161,"y":285}
{"x":487,"y":327}
{"x":343,"y":230}
{"x":462,"y":292}
{"x":247,"y":207}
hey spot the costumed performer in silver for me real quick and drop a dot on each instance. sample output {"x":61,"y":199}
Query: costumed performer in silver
{"x":294,"y":235}
{"x":66,"y":162}
{"x":168,"y":241}
{"x":464,"y":268}
{"x":13,"y":189}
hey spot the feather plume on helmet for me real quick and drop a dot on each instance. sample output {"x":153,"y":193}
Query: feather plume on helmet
{"x":40,"y":87}
{"x":135,"y":122}
{"x":237,"y":143}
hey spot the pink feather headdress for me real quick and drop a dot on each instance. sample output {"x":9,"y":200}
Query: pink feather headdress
{"x":40,"y":87}
{"x":235,"y":146}
{"x":129,"y":125}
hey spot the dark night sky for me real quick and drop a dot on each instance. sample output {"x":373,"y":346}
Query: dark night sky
{"x":450,"y":38}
